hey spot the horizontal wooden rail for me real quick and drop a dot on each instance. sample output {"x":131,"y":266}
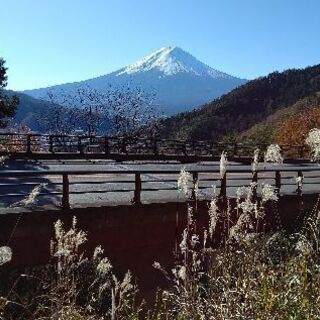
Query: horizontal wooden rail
{"x":142,"y":177}
{"x":44,"y":146}
{"x":38,"y":173}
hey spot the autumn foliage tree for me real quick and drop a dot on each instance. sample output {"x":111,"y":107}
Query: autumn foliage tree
{"x":295,"y":129}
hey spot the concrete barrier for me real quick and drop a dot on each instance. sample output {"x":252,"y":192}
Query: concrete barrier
{"x":133,"y":236}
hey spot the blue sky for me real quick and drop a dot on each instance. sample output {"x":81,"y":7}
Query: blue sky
{"x":48,"y":42}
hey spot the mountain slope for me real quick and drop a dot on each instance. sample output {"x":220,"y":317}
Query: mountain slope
{"x":245,"y":106}
{"x":267,"y":131}
{"x":180,"y":81}
{"x":28,"y":110}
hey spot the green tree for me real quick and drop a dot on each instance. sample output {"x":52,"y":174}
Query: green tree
{"x":8,"y":105}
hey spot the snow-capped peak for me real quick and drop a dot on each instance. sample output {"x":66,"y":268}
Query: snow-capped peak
{"x":170,"y":61}
{"x":179,"y":81}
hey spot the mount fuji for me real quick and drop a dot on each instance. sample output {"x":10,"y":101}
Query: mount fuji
{"x":179,"y":81}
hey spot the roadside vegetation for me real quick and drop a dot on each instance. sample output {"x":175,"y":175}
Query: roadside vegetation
{"x":250,"y":273}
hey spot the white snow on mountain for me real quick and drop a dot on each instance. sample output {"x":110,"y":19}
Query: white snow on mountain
{"x":179,"y":81}
{"x":170,"y":61}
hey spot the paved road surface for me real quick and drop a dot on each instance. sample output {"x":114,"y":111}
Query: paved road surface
{"x":109,"y":184}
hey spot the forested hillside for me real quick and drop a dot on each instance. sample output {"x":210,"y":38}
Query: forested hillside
{"x":29,"y":110}
{"x":279,"y":128}
{"x":245,"y":106}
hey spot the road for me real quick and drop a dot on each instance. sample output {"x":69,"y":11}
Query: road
{"x":115,"y":189}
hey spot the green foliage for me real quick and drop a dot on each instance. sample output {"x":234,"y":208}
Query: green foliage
{"x":261,"y":134}
{"x":7,"y":105}
{"x":244,"y":106}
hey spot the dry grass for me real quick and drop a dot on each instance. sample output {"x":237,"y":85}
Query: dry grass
{"x":250,"y":275}
{"x":71,"y":286}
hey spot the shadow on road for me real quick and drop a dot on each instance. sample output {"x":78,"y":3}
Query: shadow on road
{"x":14,"y":189}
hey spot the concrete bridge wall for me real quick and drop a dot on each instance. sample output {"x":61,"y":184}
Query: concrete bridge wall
{"x":133,"y":236}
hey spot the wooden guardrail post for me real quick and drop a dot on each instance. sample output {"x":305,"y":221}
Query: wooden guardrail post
{"x":155,"y":147}
{"x":184,"y":148}
{"x":50,"y":144}
{"x":195,"y":179}
{"x":123,"y":145}
{"x":235,"y":149}
{"x":65,"y":191}
{"x":301,"y":153}
{"x":80,"y":148}
{"x":299,"y":183}
{"x":212,"y":147}
{"x":223,"y":186}
{"x":278,"y":181}
{"x":106,"y":145}
{"x":28,"y":143}
{"x":137,"y":189}
{"x":254,"y":187}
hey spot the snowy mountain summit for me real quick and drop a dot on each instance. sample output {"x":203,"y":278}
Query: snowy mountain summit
{"x":179,"y":81}
{"x":170,"y":61}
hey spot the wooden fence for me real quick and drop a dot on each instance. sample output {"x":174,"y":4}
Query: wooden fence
{"x":141,"y":180}
{"x":42,"y":146}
